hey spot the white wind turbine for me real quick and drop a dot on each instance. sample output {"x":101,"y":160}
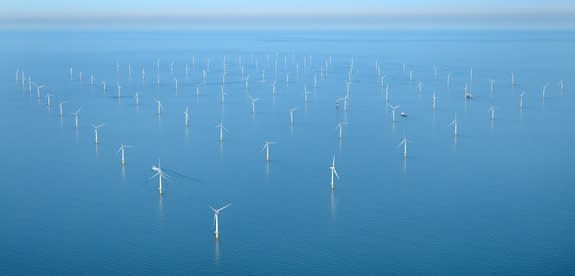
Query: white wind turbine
{"x":161,"y":175}
{"x":222,"y":128}
{"x":305,"y":94}
{"x":491,"y":83}
{"x":38,"y":87}
{"x":76,"y":123}
{"x":345,"y":102}
{"x":521,"y":99}
{"x":254,"y":100}
{"x":492,"y":111}
{"x":544,"y":91}
{"x":222,"y":94}
{"x":159,"y":108}
{"x":121,"y":150}
{"x":216,"y":217}
{"x":404,"y":143}
{"x":48,"y":98}
{"x":186,"y":116}
{"x":246,"y":79}
{"x":291,"y":110}
{"x":61,"y":105}
{"x":267,"y":149}
{"x":119,"y":90}
{"x":434,"y":100}
{"x":393,"y":109}
{"x":333,"y":172}
{"x":340,"y":129}
{"x":454,"y":123}
{"x":96,"y":137}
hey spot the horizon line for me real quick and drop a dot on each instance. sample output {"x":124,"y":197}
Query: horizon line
{"x":548,"y":18}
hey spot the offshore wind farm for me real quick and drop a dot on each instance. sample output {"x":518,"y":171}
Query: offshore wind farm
{"x":261,"y":118}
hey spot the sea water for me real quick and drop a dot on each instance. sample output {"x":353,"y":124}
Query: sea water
{"x":496,"y":198}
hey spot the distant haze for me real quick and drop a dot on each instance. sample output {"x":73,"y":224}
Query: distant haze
{"x":294,"y":13}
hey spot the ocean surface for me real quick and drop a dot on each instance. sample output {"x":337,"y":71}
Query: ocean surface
{"x":497,"y":198}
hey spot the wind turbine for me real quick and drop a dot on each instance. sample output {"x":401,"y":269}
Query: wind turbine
{"x":122,"y":153}
{"x":393,"y":109}
{"x":492,"y":111}
{"x":513,"y":79}
{"x":345,"y":102}
{"x":254,"y":100}
{"x":404,"y":143}
{"x":76,"y":124}
{"x":387,"y":93}
{"x":222,"y":128}
{"x":333,"y":172}
{"x":305,"y":94}
{"x":96,"y":138}
{"x":186,"y":116}
{"x":454,"y":123}
{"x":544,"y":91}
{"x":291,"y":110}
{"x":340,"y":129}
{"x":246,"y":79}
{"x":48,"y":97}
{"x":159,"y":108}
{"x":491,"y":82}
{"x":216,"y":214}
{"x":161,"y":175}
{"x":222,"y":94}
{"x":267,"y":149}
{"x":61,"y":105}
{"x":433,"y":99}
{"x":521,"y":99}
{"x":38,"y":87}
{"x":119,"y":90}
{"x":347,"y":87}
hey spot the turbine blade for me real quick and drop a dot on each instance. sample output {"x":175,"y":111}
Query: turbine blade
{"x":224,"y":207}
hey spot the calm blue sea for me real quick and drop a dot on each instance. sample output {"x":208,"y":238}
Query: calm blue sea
{"x":499,"y":198}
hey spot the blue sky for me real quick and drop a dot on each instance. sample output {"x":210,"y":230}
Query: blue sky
{"x":294,"y":12}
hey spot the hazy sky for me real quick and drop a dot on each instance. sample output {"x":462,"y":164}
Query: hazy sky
{"x":293,"y":12}
{"x":139,"y":6}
